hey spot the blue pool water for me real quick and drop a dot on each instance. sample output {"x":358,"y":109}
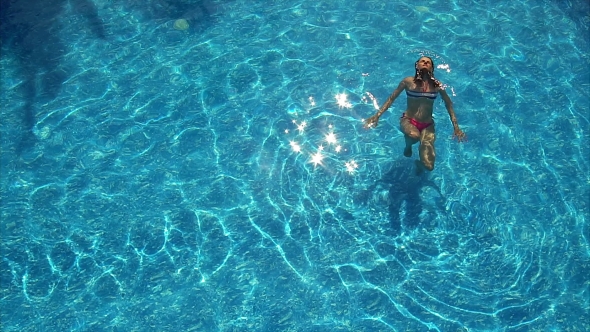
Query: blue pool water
{"x":157,"y":179}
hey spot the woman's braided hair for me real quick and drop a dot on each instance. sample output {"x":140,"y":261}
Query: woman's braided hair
{"x":418,"y":77}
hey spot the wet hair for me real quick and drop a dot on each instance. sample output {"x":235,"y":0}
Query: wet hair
{"x":418,"y":76}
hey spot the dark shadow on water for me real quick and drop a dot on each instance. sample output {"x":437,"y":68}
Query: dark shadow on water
{"x":29,"y":34}
{"x":87,"y":9}
{"x":32,"y":33}
{"x":578,"y":11}
{"x":404,"y":196}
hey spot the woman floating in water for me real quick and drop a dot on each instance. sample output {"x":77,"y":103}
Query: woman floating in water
{"x":416,"y":122}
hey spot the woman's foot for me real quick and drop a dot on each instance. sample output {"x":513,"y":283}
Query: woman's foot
{"x":408,"y":151}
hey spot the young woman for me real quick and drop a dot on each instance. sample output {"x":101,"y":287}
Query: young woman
{"x":416,"y":122}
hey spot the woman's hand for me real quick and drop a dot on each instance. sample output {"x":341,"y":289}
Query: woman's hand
{"x":460,"y":135}
{"x":372,"y":122}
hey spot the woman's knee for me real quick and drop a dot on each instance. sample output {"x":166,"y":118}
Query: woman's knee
{"x":427,"y":137}
{"x":413,"y":136}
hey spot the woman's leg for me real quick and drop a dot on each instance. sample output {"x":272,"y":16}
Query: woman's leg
{"x":411,"y":135}
{"x":427,"y":153}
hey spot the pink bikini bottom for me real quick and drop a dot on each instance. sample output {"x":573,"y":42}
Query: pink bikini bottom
{"x":420,"y":125}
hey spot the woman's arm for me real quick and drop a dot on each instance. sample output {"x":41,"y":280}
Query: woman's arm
{"x":392,"y":97}
{"x":449,"y":105}
{"x":372,"y":121}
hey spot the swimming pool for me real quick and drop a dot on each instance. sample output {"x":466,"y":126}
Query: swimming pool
{"x":213,"y":174}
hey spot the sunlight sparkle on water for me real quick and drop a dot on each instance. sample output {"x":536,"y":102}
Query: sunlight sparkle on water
{"x":296,"y":147}
{"x":331,"y":138}
{"x":317,"y":158}
{"x":351,"y":166}
{"x":301,"y":126}
{"x":311,"y":101}
{"x":328,"y":146}
{"x":342,"y":100}
{"x":444,"y":66}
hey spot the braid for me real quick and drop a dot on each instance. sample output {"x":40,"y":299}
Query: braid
{"x":418,"y":77}
{"x":437,"y":83}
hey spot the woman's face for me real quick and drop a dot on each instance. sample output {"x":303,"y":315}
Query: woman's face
{"x":424,"y":63}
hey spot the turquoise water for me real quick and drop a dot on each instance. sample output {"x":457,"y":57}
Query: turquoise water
{"x":218,"y":178}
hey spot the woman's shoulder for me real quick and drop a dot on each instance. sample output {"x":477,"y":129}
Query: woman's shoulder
{"x":440,"y":87}
{"x":408,"y":81}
